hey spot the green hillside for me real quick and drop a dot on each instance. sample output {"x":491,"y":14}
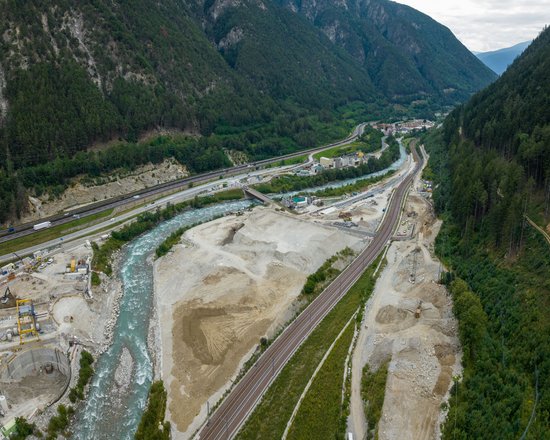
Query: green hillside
{"x":492,"y":168}
{"x":255,"y":76}
{"x":409,"y":56}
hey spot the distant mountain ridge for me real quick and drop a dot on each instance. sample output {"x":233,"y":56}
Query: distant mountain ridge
{"x":408,"y":55}
{"x":499,"y":60}
{"x":74,"y":73}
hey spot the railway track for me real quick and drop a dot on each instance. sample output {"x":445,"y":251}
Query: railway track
{"x":237,"y":406}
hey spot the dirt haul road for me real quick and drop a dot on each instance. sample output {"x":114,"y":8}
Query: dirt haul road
{"x":236,"y":407}
{"x":423,"y":352}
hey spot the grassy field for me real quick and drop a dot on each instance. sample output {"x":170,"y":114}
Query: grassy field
{"x":321,"y":410}
{"x":50,"y":233}
{"x":339,"y":151}
{"x":373,"y":389}
{"x":293,"y":161}
{"x":368,"y":143}
{"x":269,"y":419}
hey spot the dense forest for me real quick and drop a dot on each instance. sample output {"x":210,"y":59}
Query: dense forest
{"x":491,"y":163}
{"x":287,"y":133}
{"x":383,"y":36}
{"x":259,"y":77}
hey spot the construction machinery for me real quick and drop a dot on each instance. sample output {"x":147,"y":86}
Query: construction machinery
{"x":6,"y":296}
{"x":419,"y":309}
{"x":26,"y":321}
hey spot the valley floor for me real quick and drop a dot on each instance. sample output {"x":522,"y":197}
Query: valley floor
{"x":230,"y":282}
{"x":423,"y":352}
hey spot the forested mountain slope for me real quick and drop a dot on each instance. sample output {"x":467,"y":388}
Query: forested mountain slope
{"x":507,"y":124}
{"x":408,"y":55}
{"x":248,"y":75}
{"x":77,"y":72}
{"x":82,"y":71}
{"x":491,"y":164}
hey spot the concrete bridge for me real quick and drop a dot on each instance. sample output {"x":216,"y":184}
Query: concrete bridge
{"x":250,"y":192}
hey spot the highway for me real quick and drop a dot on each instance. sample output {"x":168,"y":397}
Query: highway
{"x":225,"y":422}
{"x":92,"y":232}
{"x":59,"y":219}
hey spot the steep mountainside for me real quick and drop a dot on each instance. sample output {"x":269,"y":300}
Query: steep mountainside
{"x":407,"y":54}
{"x":512,"y":115}
{"x":72,"y":73}
{"x":82,"y":71}
{"x":499,"y":60}
{"x":283,"y":55}
{"x":492,"y":167}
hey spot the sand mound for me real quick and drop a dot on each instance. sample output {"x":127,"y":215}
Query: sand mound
{"x":409,"y":319}
{"x":390,"y":315}
{"x":218,"y":297}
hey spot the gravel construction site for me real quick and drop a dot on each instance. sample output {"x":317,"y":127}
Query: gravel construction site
{"x":228,"y":283}
{"x":410,"y":324}
{"x":66,"y":315}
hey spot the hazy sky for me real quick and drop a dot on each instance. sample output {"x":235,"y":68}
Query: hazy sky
{"x":484,"y":25}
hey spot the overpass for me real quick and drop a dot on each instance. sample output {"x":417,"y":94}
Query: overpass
{"x":250,"y":192}
{"x":165,"y":188}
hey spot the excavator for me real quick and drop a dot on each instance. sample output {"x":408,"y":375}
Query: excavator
{"x":6,"y":296}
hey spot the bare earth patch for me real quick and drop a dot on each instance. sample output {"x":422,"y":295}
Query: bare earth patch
{"x":409,"y":321}
{"x":83,"y":193}
{"x":233,"y":282}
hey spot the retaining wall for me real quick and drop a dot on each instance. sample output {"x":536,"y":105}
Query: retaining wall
{"x":32,"y":361}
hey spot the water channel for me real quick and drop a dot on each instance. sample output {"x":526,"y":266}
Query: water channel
{"x":112,"y":411}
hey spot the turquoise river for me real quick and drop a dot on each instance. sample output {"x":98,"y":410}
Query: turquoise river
{"x":109,"y":412}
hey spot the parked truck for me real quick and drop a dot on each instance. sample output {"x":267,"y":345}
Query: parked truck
{"x":43,"y":225}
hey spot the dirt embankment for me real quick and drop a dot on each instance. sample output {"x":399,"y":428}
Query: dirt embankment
{"x":409,"y":321}
{"x":231,"y":282}
{"x":83,"y":192}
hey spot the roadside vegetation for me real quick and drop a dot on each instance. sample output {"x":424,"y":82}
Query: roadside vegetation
{"x":270,"y":417}
{"x":24,"y":429}
{"x":287,"y":183}
{"x":148,"y":220}
{"x":152,"y":425}
{"x":52,"y":233}
{"x":373,"y":390}
{"x":369,"y":142}
{"x":59,"y":423}
{"x":174,"y":238}
{"x":284,"y":162}
{"x":359,"y":186}
{"x":322,"y":277}
{"x":96,"y":279}
{"x":321,"y":409}
{"x":85,"y":373}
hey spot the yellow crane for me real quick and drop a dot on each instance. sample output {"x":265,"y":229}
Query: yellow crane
{"x":26,"y":321}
